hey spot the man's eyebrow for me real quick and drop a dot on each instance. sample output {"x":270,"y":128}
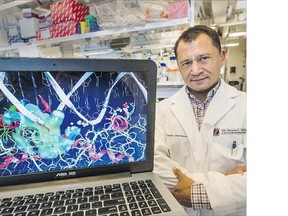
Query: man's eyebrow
{"x":204,"y":54}
{"x":197,"y":57}
{"x":185,"y":60}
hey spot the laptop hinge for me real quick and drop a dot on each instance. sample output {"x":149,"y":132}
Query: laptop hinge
{"x":114,"y":176}
{"x":81,"y":180}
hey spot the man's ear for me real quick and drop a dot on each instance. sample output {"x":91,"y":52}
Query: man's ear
{"x":223,"y":57}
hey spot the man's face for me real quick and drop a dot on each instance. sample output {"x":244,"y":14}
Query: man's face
{"x":200,"y":63}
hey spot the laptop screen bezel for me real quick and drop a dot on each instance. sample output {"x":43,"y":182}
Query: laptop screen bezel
{"x":84,"y":65}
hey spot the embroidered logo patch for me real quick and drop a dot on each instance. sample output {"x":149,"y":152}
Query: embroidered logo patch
{"x":216,"y":132}
{"x":228,"y":131}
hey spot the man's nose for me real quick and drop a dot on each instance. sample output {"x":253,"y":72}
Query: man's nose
{"x":196,"y":68}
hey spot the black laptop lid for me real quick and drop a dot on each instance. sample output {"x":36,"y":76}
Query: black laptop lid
{"x":65,"y":118}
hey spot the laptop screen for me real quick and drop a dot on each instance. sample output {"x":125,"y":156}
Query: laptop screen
{"x":64,"y":118}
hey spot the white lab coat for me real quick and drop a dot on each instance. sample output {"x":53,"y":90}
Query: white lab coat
{"x":202,"y":156}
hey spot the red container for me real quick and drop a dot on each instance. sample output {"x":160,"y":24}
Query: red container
{"x":178,"y":10}
{"x":64,"y":29}
{"x":68,"y":10}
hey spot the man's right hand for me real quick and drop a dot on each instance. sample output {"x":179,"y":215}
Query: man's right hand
{"x":237,"y":170}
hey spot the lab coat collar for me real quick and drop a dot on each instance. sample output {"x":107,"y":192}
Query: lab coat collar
{"x":182,"y":108}
{"x":221,"y":103}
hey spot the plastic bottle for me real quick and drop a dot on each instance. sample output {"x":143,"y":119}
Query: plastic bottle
{"x":173,"y":71}
{"x":162,"y":73}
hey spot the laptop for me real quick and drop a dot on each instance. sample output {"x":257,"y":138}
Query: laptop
{"x":77,"y":138}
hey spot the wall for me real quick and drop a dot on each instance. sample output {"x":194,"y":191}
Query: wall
{"x":236,"y":58}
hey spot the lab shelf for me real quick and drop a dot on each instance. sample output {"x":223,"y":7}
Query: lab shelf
{"x":106,"y":33}
{"x":5,"y":9}
{"x":14,"y":4}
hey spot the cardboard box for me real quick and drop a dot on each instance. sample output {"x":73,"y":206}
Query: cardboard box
{"x":29,"y":27}
{"x":29,"y":12}
{"x":68,"y":10}
{"x":14,"y":35}
{"x":45,"y":20}
{"x":64,"y":29}
{"x":43,"y":34}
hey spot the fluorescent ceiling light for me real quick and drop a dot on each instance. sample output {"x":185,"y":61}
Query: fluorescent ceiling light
{"x":230,"y":45}
{"x":237,"y":34}
{"x":100,"y":52}
{"x":95,"y":52}
{"x":168,"y":46}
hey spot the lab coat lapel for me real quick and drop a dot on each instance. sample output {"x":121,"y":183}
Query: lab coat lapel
{"x":221,"y":103}
{"x":183,"y":111}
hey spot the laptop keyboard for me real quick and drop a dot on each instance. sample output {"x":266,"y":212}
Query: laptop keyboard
{"x":135,"y":198}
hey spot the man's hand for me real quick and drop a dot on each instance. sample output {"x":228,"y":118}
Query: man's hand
{"x":182,"y":191}
{"x":237,"y":170}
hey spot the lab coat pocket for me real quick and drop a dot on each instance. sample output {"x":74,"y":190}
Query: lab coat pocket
{"x":234,"y":152}
{"x":237,"y":153}
{"x":225,"y":158}
{"x":229,"y":146}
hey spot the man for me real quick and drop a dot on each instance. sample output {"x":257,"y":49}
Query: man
{"x":200,"y":137}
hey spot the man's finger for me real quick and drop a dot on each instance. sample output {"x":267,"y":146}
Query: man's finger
{"x":177,"y":172}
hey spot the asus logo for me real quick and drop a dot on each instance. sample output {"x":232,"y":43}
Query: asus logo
{"x":65,"y":174}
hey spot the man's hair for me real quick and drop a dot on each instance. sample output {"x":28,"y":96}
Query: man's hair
{"x":192,"y":34}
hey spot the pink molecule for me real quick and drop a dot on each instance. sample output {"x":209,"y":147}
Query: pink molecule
{"x":119,"y":123}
